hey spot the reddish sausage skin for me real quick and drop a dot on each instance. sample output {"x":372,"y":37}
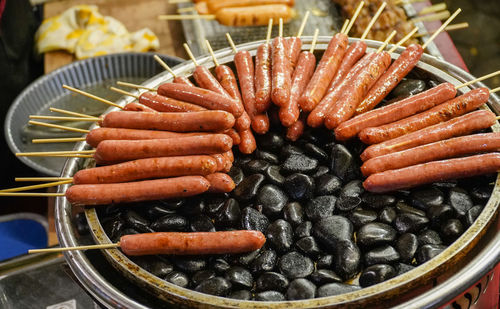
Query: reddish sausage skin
{"x":263,"y":78}
{"x":147,"y":169}
{"x":125,"y":150}
{"x":450,"y":148}
{"x":202,"y":97}
{"x":163,"y":104}
{"x":443,"y":112}
{"x":206,"y":80}
{"x":138,"y":107}
{"x":281,"y":72}
{"x":248,"y":143}
{"x":221,"y":161}
{"x":178,"y":243}
{"x":177,"y":122}
{"x":294,"y":47}
{"x":183,"y":80}
{"x":462,"y":125}
{"x":396,"y":111}
{"x":325,"y":71}
{"x":435,"y":171}
{"x":295,"y":131}
{"x":234,"y":136}
{"x":353,"y":53}
{"x":289,"y":112}
{"x":345,"y":107}
{"x":128,"y":192}
{"x":220,"y":183}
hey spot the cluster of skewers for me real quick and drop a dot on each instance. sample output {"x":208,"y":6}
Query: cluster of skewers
{"x":186,"y":132}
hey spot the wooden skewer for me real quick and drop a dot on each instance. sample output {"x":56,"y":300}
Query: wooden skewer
{"x":91,"y":96}
{"x":211,"y":51}
{"x":389,"y":38}
{"x":406,"y":38}
{"x":178,"y":1}
{"x":31,"y":194}
{"x":478,"y":80}
{"x":40,"y":186}
{"x":63,"y":118}
{"x":63,"y":111}
{"x":24,"y":179}
{"x":269,"y":30}
{"x":123,"y":92}
{"x":164,"y":65}
{"x":444,"y":25}
{"x":315,"y":38}
{"x":280,"y":28}
{"x":432,"y":17}
{"x":344,"y":26}
{"x":303,"y":24}
{"x":407,"y":1}
{"x":103,"y":246}
{"x":373,"y":20}
{"x":231,"y":43}
{"x":186,"y":17}
{"x":186,"y":10}
{"x":190,"y":54}
{"x":354,"y":17}
{"x":449,"y":28}
{"x":433,"y":8}
{"x":58,"y":140}
{"x":134,"y":86}
{"x":495,"y":90}
{"x":56,"y":126}
{"x":55,"y":153}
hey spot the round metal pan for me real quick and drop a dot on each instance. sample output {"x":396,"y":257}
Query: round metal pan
{"x":392,"y":291}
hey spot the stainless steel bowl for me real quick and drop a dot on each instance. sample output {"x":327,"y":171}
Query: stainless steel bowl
{"x":391,"y":292}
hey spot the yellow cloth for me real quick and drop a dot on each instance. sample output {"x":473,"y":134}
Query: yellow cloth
{"x":86,"y":33}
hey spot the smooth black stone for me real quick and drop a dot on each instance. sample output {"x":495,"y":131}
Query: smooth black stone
{"x":408,"y":87}
{"x":481,"y":193}
{"x":341,"y":161}
{"x":327,"y":184}
{"x":271,"y":141}
{"x":178,"y":278}
{"x":402,"y":268}
{"x":193,"y":208}
{"x":271,"y":281}
{"x":256,"y":167}
{"x":347,"y":203}
{"x":295,"y":265}
{"x":410,"y":223}
{"x":113,"y":227}
{"x":265,"y":261}
{"x":247,"y":189}
{"x":347,"y":259}
{"x":242,"y":160}
{"x":375,"y":274}
{"x":267,"y":156}
{"x":304,"y":229}
{"x":387,"y":215}
{"x":472,"y":214}
{"x":220,"y":265}
{"x":407,"y":245}
{"x":272,"y":199}
{"x":324,"y":261}
{"x":429,"y":237}
{"x":427,"y":252}
{"x":320,"y":207}
{"x":316,"y":152}
{"x":274,"y":176}
{"x":127,"y":231}
{"x":269,"y":296}
{"x":381,"y":255}
{"x":239,"y":277}
{"x":333,"y":229}
{"x":170,"y":223}
{"x":452,"y":229}
{"x":460,"y":200}
{"x":300,"y":289}
{"x":329,"y":146}
{"x":246,"y":259}
{"x":251,"y":219}
{"x":157,"y":266}
{"x":374,"y":234}
{"x":299,"y":186}
{"x":323,"y":276}
{"x":136,"y":221}
{"x":217,"y":286}
{"x":280,"y":235}
{"x":441,"y":213}
{"x":353,"y":188}
{"x":202,"y":275}
{"x":202,"y":224}
{"x":402,"y":207}
{"x":332,"y":289}
{"x":293,"y":213}
{"x":236,"y":174}
{"x":445,"y":184}
{"x":214,"y":204}
{"x":320,"y":171}
{"x":190,"y":264}
{"x":426,"y":198}
{"x":155,"y":211}
{"x":229,"y":214}
{"x":289,"y":150}
{"x":378,"y":201}
{"x":173,"y":204}
{"x":308,"y":246}
{"x":360,"y":217}
{"x":241,"y":295}
{"x":297,"y":163}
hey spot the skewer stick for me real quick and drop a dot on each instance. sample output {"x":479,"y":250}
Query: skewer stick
{"x":63,"y":111}
{"x":190,"y":54}
{"x":40,"y":186}
{"x":389,"y":38}
{"x":478,"y":79}
{"x":303,"y":24}
{"x":495,"y":90}
{"x":374,"y":19}
{"x":231,"y":43}
{"x":432,"y":17}
{"x":23,"y":179}
{"x":53,"y":153}
{"x":164,"y":65}
{"x":58,"y":140}
{"x":280,"y":28}
{"x":123,"y":92}
{"x":134,"y":86}
{"x":186,"y":10}
{"x":433,"y":8}
{"x":103,"y":246}
{"x":56,"y":126}
{"x":449,"y":28}
{"x":186,"y":17}
{"x":64,"y":118}
{"x":56,"y":155}
{"x":178,"y":1}
{"x":406,"y":38}
{"x":444,"y":25}
{"x":31,"y":194}
{"x":211,"y":51}
{"x":315,"y":38}
{"x":269,"y":30}
{"x":354,"y":17}
{"x":407,"y":1}
{"x":344,"y":26}
{"x":91,"y":96}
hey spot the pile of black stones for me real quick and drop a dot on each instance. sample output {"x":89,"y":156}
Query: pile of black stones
{"x":325,"y":234}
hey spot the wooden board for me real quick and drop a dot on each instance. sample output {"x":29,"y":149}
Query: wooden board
{"x":134,"y":15}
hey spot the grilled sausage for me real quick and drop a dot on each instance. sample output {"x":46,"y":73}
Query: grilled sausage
{"x":205,"y":79}
{"x":257,"y":15}
{"x":138,"y":107}
{"x":220,"y":183}
{"x":263,"y":78}
{"x":215,"y":5}
{"x":183,"y":80}
{"x":234,"y":136}
{"x":353,"y":53}
{"x":281,"y":74}
{"x":247,"y":144}
{"x":161,"y":103}
{"x":295,"y":131}
{"x":294,"y":47}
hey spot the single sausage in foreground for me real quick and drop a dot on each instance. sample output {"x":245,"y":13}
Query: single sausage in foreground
{"x":129,"y":192}
{"x":163,"y":104}
{"x":263,"y":78}
{"x":295,"y":131}
{"x":459,"y":126}
{"x":294,"y":47}
{"x":281,"y":72}
{"x":177,"y":243}
{"x":138,"y":107}
{"x":220,"y":183}
{"x":147,"y":169}
{"x":206,"y":80}
{"x":435,"y":171}
{"x":248,"y":143}
{"x":450,"y":148}
{"x":176,"y":122}
{"x":353,"y":53}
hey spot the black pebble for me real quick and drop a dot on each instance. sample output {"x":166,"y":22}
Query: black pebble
{"x":460,"y":201}
{"x":407,"y":245}
{"x":280,"y":235}
{"x":327,"y":184}
{"x":202,"y":224}
{"x":269,"y":296}
{"x":427,"y":252}
{"x":304,"y":229}
{"x":170,"y":223}
{"x":157,"y":210}
{"x":288,"y":150}
{"x":298,"y":163}
{"x":481,"y":193}
{"x":402,"y":207}
{"x":408,"y":87}
{"x":387,"y":215}
{"x":342,"y":161}
{"x":429,"y":237}
{"x":236,"y":174}
{"x":323,"y":276}
{"x":274,"y":176}
{"x":320,"y":171}
{"x":271,"y":141}
{"x":401,"y":268}
{"x":293,"y":213}
{"x":239,"y":277}
{"x":301,"y":289}
{"x":410,"y":223}
{"x":347,"y":259}
{"x":308,"y":246}
{"x":241,"y":295}
{"x":332,"y":229}
{"x":267,"y":156}
{"x":229,"y":214}
{"x":360,"y":217}
{"x":220,"y":265}
{"x":246,"y":259}
{"x":324,"y":261}
{"x":381,"y":255}
{"x":271,"y":281}
{"x":295,"y":265}
{"x":202,"y":275}
{"x":299,"y":186}
{"x":265,"y":261}
{"x":190,"y":264}
{"x":332,"y":289}
{"x":472,"y":214}
{"x":451,"y":230}
{"x":378,"y":201}
{"x":177,"y":278}
{"x":353,"y":188}
{"x":374,"y":234}
{"x":347,"y":203}
{"x":217,"y":286}
{"x":213,"y":205}
{"x":157,"y":266}
{"x":248,"y":188}
{"x":251,"y":219}
{"x":272,"y":199}
{"x":375,"y":274}
{"x":320,"y":207}
{"x":137,"y":222}
{"x":316,"y":152}
{"x":256,"y":166}
{"x":426,"y":198}
{"x":439,"y":214}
